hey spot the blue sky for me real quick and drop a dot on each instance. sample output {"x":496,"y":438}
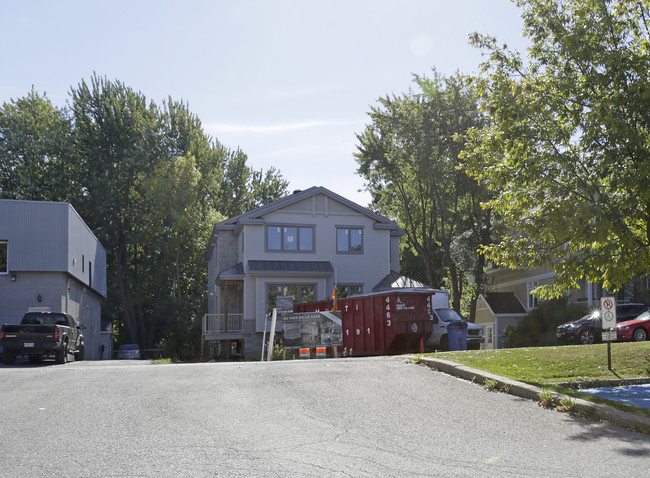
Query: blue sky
{"x":290,"y":83}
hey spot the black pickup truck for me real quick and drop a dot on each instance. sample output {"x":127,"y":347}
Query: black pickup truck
{"x":42,"y":333}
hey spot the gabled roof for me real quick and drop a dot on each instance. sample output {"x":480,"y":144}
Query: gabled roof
{"x":256,"y":216}
{"x":395,"y":280}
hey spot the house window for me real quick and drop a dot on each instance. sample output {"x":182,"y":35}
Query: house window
{"x":299,"y":292}
{"x":290,"y":238}
{"x":3,"y":257}
{"x":533,"y":301}
{"x":349,"y":240}
{"x":343,"y":291}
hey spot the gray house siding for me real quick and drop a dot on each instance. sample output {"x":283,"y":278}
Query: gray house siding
{"x":54,"y":263}
{"x":86,"y":256}
{"x":51,"y":237}
{"x":37,"y":236}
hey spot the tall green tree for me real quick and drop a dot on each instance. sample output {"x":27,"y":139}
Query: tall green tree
{"x":36,"y":150}
{"x":567,"y":151}
{"x":116,"y":132}
{"x":409,"y":157}
{"x":172,"y":240}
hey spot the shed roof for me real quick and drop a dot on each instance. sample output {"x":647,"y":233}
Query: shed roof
{"x":504,"y":303}
{"x":292,"y":267}
{"x":395,"y":280}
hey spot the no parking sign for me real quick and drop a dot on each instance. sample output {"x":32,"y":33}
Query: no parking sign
{"x":608,"y":312}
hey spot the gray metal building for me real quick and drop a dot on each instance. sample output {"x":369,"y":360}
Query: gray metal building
{"x":50,"y":260}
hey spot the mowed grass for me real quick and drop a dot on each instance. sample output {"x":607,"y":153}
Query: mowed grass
{"x":568,"y":363}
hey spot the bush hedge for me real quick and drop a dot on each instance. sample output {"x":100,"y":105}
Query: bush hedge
{"x":537,"y":329}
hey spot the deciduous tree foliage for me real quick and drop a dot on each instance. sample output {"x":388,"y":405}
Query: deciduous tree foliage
{"x":408,"y":156}
{"x":567,"y":151}
{"x":35,"y":150}
{"x":149,"y":183}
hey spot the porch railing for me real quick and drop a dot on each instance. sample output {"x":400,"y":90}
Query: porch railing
{"x":216,"y":323}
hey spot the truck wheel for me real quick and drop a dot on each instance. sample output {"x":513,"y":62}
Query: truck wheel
{"x":444,"y":343}
{"x":80,"y":353}
{"x":9,"y":357}
{"x":61,"y":355}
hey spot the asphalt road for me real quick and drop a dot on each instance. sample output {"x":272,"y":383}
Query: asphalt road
{"x":345,"y":417}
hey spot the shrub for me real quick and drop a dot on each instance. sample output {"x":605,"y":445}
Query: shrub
{"x":538,"y":328}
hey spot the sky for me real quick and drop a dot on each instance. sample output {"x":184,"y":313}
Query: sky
{"x":290,"y":83}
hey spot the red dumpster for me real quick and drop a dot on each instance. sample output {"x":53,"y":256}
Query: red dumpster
{"x":388,"y":322}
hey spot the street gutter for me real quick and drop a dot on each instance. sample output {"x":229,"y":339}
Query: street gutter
{"x":531,"y":392}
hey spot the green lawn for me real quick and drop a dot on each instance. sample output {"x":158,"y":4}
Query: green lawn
{"x":545,"y":366}
{"x":548,"y":365}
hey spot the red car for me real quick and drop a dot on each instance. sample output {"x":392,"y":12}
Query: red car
{"x":637,"y":329}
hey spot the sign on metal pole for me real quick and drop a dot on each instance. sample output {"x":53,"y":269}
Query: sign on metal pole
{"x":608,"y":318}
{"x":609,"y":335}
{"x":608,"y":312}
{"x":269,"y":350}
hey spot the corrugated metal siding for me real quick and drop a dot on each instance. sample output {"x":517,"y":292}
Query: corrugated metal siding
{"x":51,"y":237}
{"x":86,"y":254}
{"x":37,"y":235}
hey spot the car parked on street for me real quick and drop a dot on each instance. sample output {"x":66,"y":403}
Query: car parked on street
{"x":636,"y":330}
{"x":129,"y":352}
{"x":588,"y":329}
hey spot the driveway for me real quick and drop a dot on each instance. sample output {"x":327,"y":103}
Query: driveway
{"x":343,"y":417}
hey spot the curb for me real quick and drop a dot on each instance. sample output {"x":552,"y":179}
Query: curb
{"x":531,"y":392}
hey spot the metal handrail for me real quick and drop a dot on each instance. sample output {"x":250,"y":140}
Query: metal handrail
{"x":216,"y":323}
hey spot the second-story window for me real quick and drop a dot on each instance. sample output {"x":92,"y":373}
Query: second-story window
{"x":290,"y":238}
{"x":349,"y":240}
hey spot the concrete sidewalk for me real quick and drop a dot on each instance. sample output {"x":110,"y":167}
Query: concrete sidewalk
{"x":532,"y":392}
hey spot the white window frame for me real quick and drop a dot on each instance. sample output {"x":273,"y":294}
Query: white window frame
{"x":532,"y":301}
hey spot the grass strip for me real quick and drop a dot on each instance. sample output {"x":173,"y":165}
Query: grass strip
{"x":545,"y":367}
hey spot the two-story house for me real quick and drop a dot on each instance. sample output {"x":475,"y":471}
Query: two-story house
{"x":296,"y":249}
{"x":51,"y":261}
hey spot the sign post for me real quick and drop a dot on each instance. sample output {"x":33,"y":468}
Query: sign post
{"x":269,"y":350}
{"x":608,"y":320}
